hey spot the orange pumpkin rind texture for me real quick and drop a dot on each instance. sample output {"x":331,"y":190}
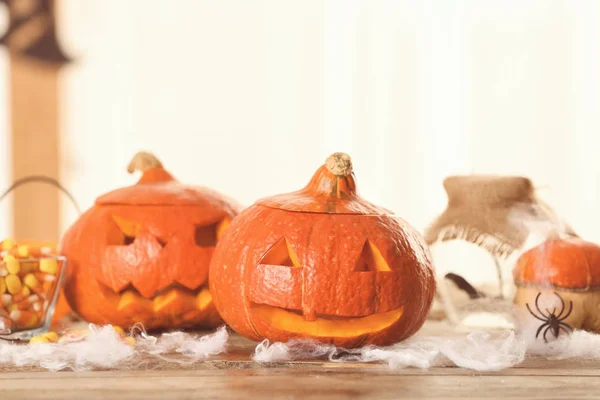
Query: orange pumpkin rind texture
{"x":141,"y":253}
{"x":570,"y":264}
{"x":322,"y":263}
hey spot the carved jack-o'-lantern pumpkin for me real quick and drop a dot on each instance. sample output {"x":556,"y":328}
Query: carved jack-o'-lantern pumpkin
{"x":142,"y":253}
{"x":322,"y":263}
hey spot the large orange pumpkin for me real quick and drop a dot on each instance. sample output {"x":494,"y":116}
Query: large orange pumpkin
{"x":322,"y":263}
{"x":141,"y":253}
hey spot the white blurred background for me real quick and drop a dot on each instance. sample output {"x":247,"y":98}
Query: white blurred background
{"x":249,"y":97}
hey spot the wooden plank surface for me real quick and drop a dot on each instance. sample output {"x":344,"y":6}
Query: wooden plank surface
{"x":279,"y":383}
{"x":235,"y":376}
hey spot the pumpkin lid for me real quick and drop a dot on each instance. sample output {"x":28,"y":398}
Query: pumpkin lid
{"x":157,"y":187}
{"x":560,"y":263}
{"x":332,"y":190}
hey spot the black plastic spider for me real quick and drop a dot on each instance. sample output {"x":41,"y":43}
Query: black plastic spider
{"x":552,"y":322}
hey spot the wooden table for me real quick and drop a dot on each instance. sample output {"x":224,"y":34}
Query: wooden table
{"x":235,"y":376}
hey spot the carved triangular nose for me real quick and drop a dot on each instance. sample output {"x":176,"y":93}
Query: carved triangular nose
{"x":140,"y":263}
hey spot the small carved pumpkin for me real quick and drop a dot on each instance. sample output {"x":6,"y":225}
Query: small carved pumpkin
{"x":142,"y":253}
{"x":558,"y":283}
{"x":322,"y":263}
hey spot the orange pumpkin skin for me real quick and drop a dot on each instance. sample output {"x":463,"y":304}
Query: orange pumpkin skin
{"x":323,"y":264}
{"x":141,"y":254}
{"x":571,"y":264}
{"x":62,"y":308}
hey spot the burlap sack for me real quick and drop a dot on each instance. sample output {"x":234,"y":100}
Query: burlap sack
{"x":495,"y":212}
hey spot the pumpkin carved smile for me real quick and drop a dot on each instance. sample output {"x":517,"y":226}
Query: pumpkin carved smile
{"x":322,"y":263}
{"x":276,"y":289}
{"x":326,"y":326}
{"x":174,"y":298}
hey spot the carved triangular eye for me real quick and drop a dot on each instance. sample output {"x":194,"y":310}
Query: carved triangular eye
{"x":221,"y":227}
{"x":209,"y":235}
{"x":281,"y":253}
{"x":371,"y":259}
{"x":129,"y":229}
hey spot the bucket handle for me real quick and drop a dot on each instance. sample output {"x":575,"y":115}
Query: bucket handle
{"x":41,"y":179}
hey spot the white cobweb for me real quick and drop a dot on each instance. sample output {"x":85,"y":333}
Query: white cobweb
{"x":103,"y":348}
{"x":480,"y":350}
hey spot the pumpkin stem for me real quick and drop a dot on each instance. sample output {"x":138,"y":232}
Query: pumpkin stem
{"x":143,"y":161}
{"x":339,"y":164}
{"x":335,"y":178}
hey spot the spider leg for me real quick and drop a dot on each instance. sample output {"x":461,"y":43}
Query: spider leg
{"x":568,"y":332}
{"x":545,"y":333}
{"x":537,"y":298}
{"x":562,"y":310}
{"x":540,"y":329}
{"x":532,"y":313}
{"x":566,"y":326}
{"x":569,"y":312}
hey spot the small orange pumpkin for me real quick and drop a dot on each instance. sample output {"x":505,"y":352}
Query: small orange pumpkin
{"x":322,"y":263}
{"x":558,"y":282}
{"x":141,"y":253}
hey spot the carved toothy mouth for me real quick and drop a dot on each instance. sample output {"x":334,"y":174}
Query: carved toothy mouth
{"x":175,"y":298}
{"x":326,"y":325}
